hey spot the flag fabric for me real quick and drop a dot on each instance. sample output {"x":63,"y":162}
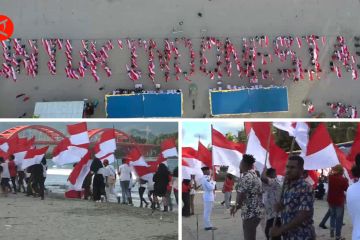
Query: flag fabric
{"x":135,"y":158}
{"x":106,"y":144}
{"x":110,"y":157}
{"x":321,"y":151}
{"x":4,"y":145}
{"x":168,"y":148}
{"x":298,"y":130}
{"x":33,"y":156}
{"x":190,"y":155}
{"x":146,"y":173}
{"x":226,"y":152}
{"x":261,"y":142}
{"x":78,"y":133}
{"x":204,"y":155}
{"x":186,"y":170}
{"x":65,"y":153}
{"x":80,"y":171}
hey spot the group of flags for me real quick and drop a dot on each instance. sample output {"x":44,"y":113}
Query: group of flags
{"x":318,"y":150}
{"x":76,"y":149}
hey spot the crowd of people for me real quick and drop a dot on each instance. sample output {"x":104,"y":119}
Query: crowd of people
{"x":30,"y":181}
{"x":121,"y":91}
{"x":286,"y":206}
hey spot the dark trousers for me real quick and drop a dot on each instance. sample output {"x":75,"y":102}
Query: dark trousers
{"x":270,"y":224}
{"x":249,"y":227}
{"x":141,"y":194}
{"x":186,"y":201}
{"x":38,"y":185}
{"x":5,"y":184}
{"x":21,"y":178}
{"x":13,"y":181}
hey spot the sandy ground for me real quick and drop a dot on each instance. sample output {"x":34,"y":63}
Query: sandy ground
{"x":112,"y":19}
{"x":231,"y":228}
{"x":56,"y":218}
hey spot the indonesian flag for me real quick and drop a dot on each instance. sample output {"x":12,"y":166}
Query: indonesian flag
{"x":190,"y":155}
{"x":135,"y":158}
{"x":110,"y":157}
{"x":187,"y":171}
{"x":355,"y":148}
{"x":65,"y":153}
{"x":79,"y":173}
{"x":106,"y":144}
{"x":204,"y":155}
{"x":227,"y":153}
{"x":320,"y":152}
{"x":146,"y":173}
{"x":260,"y":143}
{"x":78,"y":133}
{"x":298,"y":130}
{"x":168,"y":148}
{"x":33,"y":156}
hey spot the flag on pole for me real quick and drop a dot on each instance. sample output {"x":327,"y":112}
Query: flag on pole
{"x":226,"y":152}
{"x":146,"y":173}
{"x":106,"y":144}
{"x":135,"y":158}
{"x":65,"y":153}
{"x":80,"y":171}
{"x":78,"y":133}
{"x":168,"y":148}
{"x":33,"y":156}
{"x":190,"y":155}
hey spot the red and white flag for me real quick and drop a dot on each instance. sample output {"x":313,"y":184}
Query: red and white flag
{"x":187,"y":171}
{"x":190,"y":155}
{"x":106,"y":144}
{"x":80,"y":171}
{"x":260,"y":143}
{"x":321,"y":151}
{"x":65,"y":153}
{"x":298,"y":130}
{"x":110,"y":157}
{"x":168,"y":148}
{"x":33,"y":156}
{"x":204,"y":155}
{"x":78,"y":134}
{"x":146,"y":173}
{"x":135,"y":158}
{"x":227,"y":153}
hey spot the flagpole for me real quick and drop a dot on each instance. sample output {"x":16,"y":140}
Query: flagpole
{"x":268,"y":145}
{"x":212,"y":152}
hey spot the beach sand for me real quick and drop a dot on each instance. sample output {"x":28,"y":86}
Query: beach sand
{"x":113,"y":19}
{"x":231,"y":228}
{"x":56,"y":218}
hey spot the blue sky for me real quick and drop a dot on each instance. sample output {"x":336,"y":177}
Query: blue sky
{"x":192,"y":130}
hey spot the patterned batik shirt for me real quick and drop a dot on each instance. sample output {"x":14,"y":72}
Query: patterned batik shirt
{"x":298,"y":196}
{"x":252,"y":206}
{"x":272,"y":192}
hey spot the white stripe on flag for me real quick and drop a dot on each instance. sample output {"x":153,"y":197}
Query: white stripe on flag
{"x":324,"y":158}
{"x":227,"y":157}
{"x":171,"y":152}
{"x":80,"y":138}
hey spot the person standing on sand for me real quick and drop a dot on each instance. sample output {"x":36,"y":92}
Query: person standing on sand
{"x":208,"y":186}
{"x":249,"y":198}
{"x":13,"y":172}
{"x":125,"y":177}
{"x":161,"y":180}
{"x":110,"y":179}
{"x":5,"y":177}
{"x":353,"y":199}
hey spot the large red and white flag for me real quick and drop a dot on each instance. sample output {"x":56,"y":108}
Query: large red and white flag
{"x":187,"y":171}
{"x":33,"y":156}
{"x":65,"y":153}
{"x":80,"y":171}
{"x":190,"y":155}
{"x":19,"y":147}
{"x":298,"y":130}
{"x":135,"y":158}
{"x":261,"y":143}
{"x":321,"y":151}
{"x":78,"y":133}
{"x":168,"y":148}
{"x":226,"y":152}
{"x":204,"y":155}
{"x":146,"y":173}
{"x":106,"y":144}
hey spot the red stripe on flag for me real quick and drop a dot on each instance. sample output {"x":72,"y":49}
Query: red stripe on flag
{"x":77,"y":128}
{"x":188,"y":152}
{"x":319,"y":140}
{"x":77,"y":169}
{"x":204,"y":155}
{"x":220,"y":140}
{"x":168,"y":144}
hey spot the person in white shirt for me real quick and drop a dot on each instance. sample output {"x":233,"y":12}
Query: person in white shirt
{"x":208,"y":186}
{"x":110,"y":179}
{"x":125,"y":177}
{"x":5,"y":177}
{"x":353,"y":200}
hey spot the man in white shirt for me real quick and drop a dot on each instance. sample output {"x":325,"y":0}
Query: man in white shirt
{"x":110,"y":179}
{"x":208,"y":186}
{"x":125,"y":177}
{"x":5,"y":177}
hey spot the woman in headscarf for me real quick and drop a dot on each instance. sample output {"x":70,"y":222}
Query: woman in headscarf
{"x":99,"y":179}
{"x":161,"y":180}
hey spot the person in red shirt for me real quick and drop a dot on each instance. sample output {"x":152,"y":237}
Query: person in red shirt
{"x":186,"y":198}
{"x":227,"y":190}
{"x":12,"y":171}
{"x":338,"y":185}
